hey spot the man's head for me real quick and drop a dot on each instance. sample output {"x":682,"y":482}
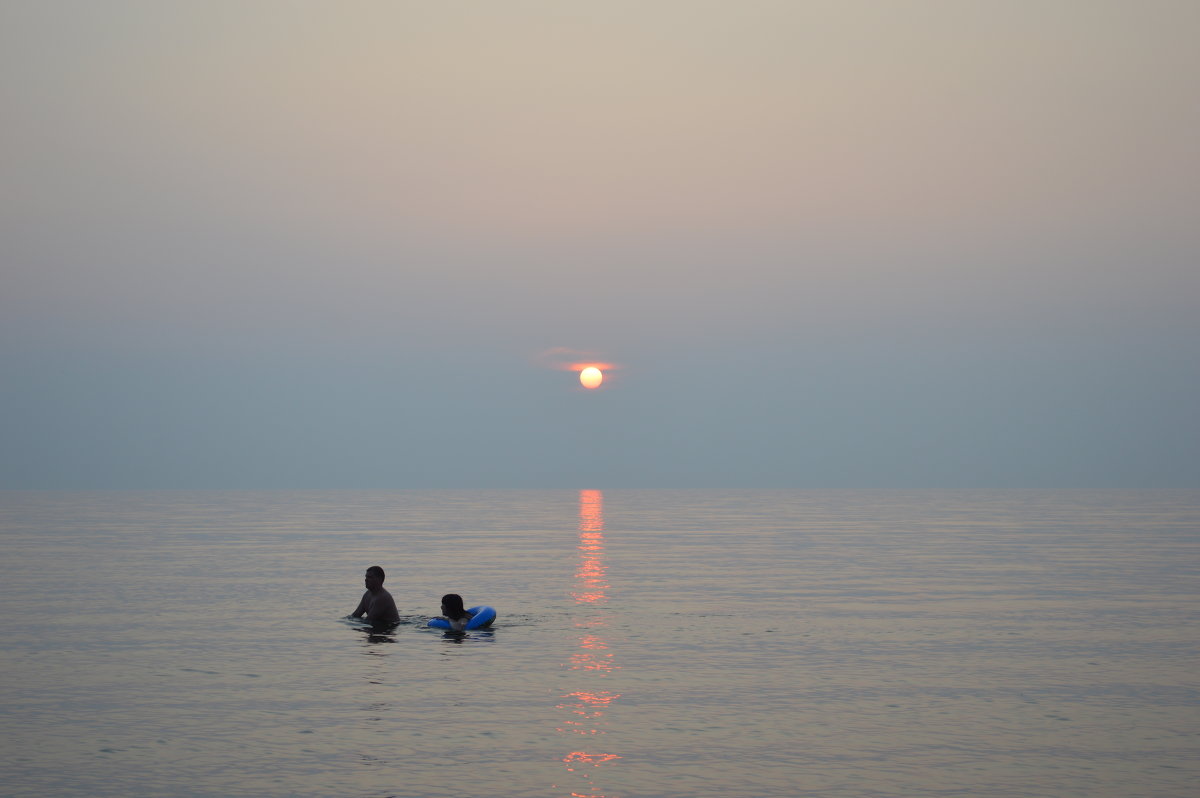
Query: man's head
{"x":373,"y":578}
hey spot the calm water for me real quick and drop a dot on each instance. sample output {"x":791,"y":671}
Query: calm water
{"x":650,"y":643}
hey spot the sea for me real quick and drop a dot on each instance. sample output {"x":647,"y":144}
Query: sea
{"x":842,"y":644}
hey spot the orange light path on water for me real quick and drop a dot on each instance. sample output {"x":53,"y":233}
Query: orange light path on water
{"x":591,"y":513}
{"x":586,"y":706}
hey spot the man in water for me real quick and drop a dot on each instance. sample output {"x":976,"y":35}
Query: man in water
{"x":377,"y":603}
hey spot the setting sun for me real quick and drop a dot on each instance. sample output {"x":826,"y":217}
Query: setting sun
{"x":591,"y":377}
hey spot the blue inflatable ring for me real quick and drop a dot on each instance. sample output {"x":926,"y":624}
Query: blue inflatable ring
{"x":482,"y":618}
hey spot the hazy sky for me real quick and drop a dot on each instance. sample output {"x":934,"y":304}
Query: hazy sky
{"x":830,"y":244}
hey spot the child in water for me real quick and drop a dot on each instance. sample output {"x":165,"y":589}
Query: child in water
{"x":452,"y":609}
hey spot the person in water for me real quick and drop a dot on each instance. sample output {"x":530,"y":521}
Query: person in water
{"x":452,"y":609}
{"x":377,"y":604}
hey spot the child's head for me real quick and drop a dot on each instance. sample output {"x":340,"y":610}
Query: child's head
{"x":452,"y":606}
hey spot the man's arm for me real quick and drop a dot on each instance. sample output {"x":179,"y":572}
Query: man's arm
{"x":361,"y":609}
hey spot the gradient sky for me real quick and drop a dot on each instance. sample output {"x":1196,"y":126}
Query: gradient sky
{"x":830,"y":244}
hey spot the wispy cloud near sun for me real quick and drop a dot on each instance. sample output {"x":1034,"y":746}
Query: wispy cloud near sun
{"x":562,"y":358}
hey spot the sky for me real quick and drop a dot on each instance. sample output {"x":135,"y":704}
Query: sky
{"x":836,"y":244}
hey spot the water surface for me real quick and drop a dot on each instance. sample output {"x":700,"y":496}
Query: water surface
{"x":650,"y":643}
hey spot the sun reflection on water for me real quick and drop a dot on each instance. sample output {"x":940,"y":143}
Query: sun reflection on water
{"x":585,"y":707}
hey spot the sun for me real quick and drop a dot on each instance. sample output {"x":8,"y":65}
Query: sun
{"x":591,"y":377}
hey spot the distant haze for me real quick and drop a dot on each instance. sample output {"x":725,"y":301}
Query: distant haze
{"x":829,"y":244}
